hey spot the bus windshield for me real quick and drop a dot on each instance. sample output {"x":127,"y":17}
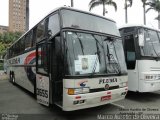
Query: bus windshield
{"x":89,"y":22}
{"x":151,"y":43}
{"x":89,"y":53}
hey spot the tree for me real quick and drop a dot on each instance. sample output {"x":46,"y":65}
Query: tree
{"x":95,"y":3}
{"x":155,"y":5}
{"x":128,"y":3}
{"x":2,"y":48}
{"x":6,"y":39}
{"x":144,"y":10}
{"x":72,"y":3}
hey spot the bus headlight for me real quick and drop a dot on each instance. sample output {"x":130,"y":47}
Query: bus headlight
{"x":123,"y":84}
{"x":75,"y":91}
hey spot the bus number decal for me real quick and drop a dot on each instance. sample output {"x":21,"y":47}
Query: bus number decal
{"x":42,"y":92}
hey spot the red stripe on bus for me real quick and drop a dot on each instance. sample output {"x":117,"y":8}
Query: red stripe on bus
{"x":31,"y":57}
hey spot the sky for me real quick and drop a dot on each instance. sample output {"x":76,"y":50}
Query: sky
{"x":40,"y":8}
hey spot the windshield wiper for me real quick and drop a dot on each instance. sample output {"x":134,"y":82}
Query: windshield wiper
{"x":98,"y":50}
{"x":113,"y":61}
{"x":81,"y":44}
{"x":94,"y":67}
{"x":154,"y":49}
{"x":98,"y":53}
{"x":97,"y":41}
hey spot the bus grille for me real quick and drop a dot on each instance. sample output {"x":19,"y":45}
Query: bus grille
{"x":102,"y":89}
{"x":155,"y":68}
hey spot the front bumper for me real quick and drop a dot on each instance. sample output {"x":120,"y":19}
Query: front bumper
{"x":81,"y":101}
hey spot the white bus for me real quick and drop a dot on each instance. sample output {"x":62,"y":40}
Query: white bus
{"x":71,"y":58}
{"x":142,"y":54}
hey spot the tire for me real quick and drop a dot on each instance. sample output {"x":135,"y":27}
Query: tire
{"x":12,"y":78}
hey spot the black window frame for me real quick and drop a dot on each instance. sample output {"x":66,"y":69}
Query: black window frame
{"x":41,"y":45}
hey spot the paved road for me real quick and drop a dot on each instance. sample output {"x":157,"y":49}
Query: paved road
{"x":16,"y":101}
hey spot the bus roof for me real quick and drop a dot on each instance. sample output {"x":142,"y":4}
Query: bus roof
{"x":69,"y":8}
{"x":60,"y":8}
{"x":138,"y":25}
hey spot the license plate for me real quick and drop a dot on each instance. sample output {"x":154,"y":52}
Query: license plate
{"x":106,"y":98}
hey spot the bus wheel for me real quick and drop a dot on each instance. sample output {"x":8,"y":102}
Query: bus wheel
{"x":12,"y":78}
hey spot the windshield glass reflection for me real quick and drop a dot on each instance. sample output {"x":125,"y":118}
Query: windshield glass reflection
{"x":94,"y":54}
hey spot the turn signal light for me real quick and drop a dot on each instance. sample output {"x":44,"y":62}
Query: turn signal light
{"x":70,"y":91}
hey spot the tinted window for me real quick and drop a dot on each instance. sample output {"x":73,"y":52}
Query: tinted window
{"x":28,"y":41}
{"x":129,"y":48}
{"x":40,"y":31}
{"x":10,"y":52}
{"x":42,"y":59}
{"x":13,"y":49}
{"x":85,"y":21}
{"x":53,"y":25}
{"x":22,"y":44}
{"x":17,"y":48}
{"x":34,"y":37}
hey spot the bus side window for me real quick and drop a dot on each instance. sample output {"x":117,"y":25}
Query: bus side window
{"x":34,"y":37}
{"x":10,"y":52}
{"x":53,"y":26}
{"x":42,"y":59}
{"x":40,"y":33}
{"x":22,"y":45}
{"x":28,"y":41}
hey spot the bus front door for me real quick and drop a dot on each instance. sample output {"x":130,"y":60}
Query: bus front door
{"x":49,"y":67}
{"x":42,"y":74}
{"x":56,"y":71}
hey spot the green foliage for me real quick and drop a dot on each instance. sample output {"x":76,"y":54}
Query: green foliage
{"x":7,"y":39}
{"x":154,"y":5}
{"x":1,"y":66}
{"x":2,"y":47}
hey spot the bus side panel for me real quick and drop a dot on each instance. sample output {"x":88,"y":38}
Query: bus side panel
{"x":149,"y":68}
{"x":133,"y":79}
{"x":22,"y":79}
{"x":23,"y":67}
